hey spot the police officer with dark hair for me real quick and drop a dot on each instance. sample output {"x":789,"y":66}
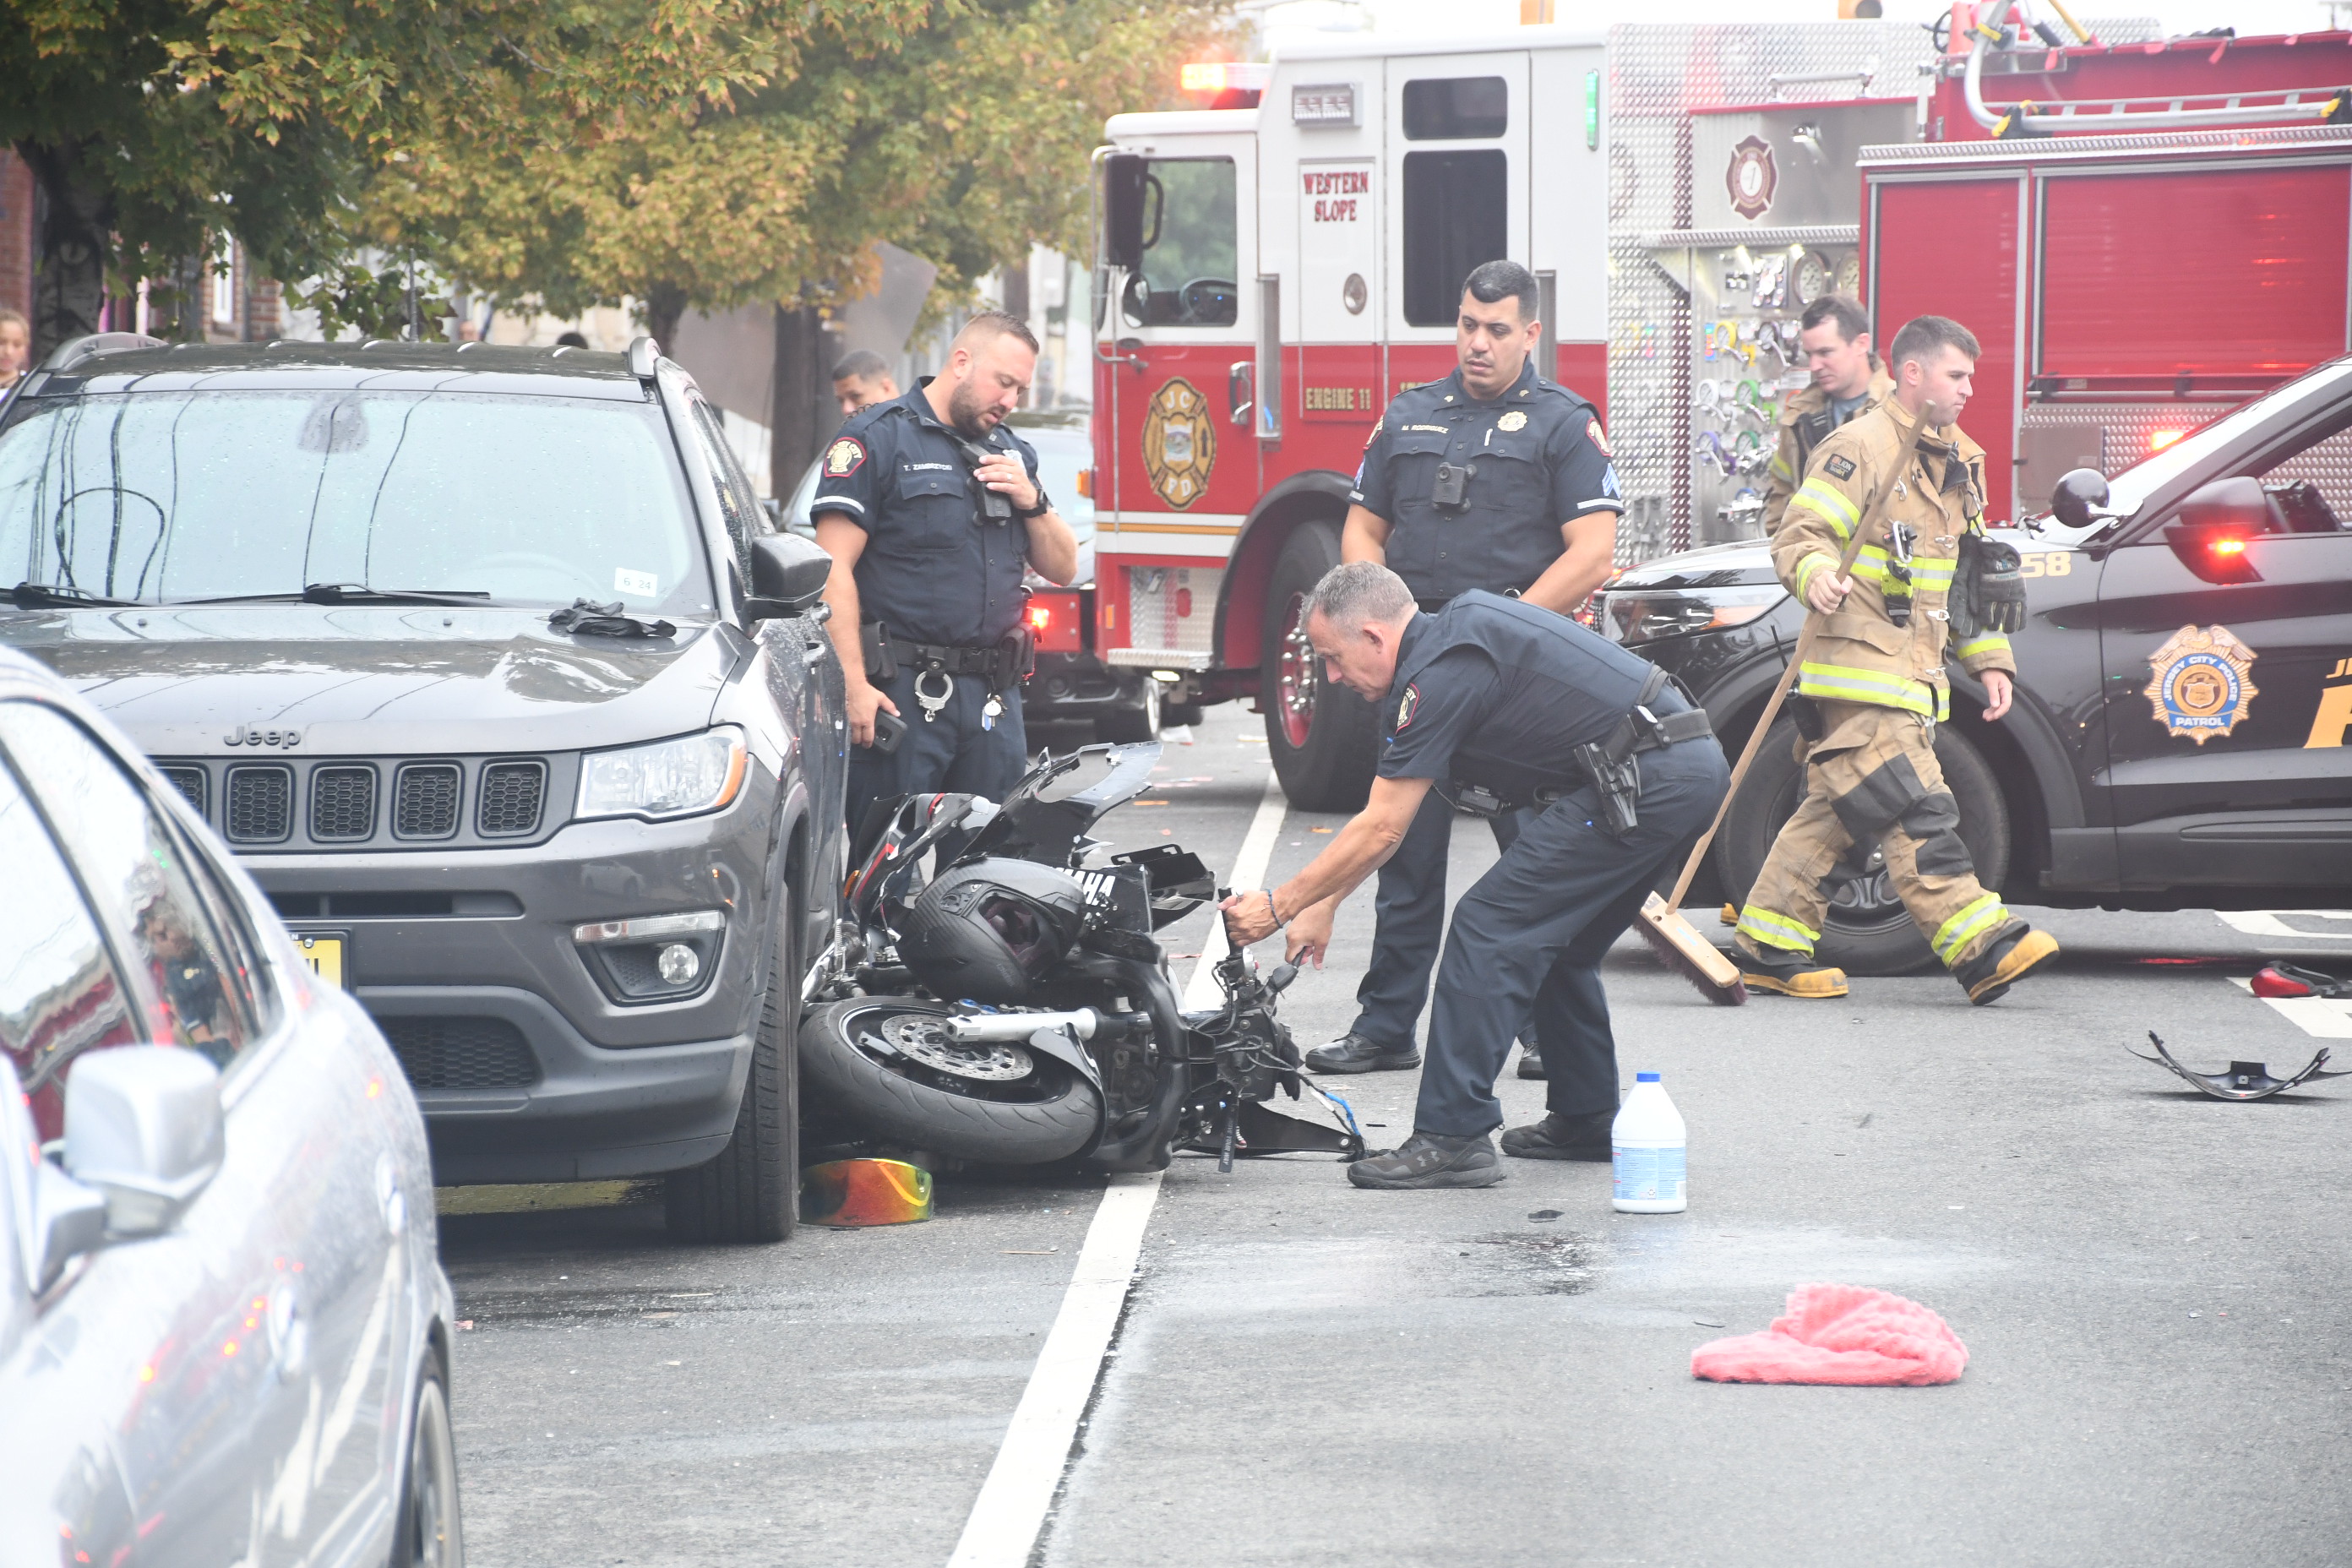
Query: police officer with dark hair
{"x":1498,"y":478}
{"x":931,"y":510}
{"x":1614,"y":769}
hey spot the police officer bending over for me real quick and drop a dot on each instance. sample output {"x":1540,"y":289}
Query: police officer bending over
{"x":1494,"y":478}
{"x":1496,"y":699}
{"x":929,"y":508}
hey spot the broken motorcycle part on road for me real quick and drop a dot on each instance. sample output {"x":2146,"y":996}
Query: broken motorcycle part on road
{"x":2290,"y":980}
{"x":2244,"y":1080}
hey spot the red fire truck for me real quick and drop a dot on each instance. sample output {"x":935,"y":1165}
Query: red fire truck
{"x":1270,"y":275}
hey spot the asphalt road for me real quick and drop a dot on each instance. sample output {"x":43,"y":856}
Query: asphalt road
{"x":2150,"y":1284}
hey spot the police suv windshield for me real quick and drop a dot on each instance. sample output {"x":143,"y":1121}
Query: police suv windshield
{"x":170,"y":497}
{"x":2128,"y":491}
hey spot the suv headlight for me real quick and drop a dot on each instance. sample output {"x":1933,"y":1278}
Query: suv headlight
{"x":1631,"y":616}
{"x":665,"y":778}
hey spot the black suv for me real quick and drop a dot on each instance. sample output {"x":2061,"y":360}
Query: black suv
{"x":2184,"y":690}
{"x":494,"y":672}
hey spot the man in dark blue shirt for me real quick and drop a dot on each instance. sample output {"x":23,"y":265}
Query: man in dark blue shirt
{"x":926,"y":589}
{"x":1496,"y":702}
{"x":1498,"y":478}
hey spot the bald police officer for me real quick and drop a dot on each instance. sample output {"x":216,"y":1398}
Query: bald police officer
{"x":1614,"y":768}
{"x":926,"y":588}
{"x":1494,"y":478}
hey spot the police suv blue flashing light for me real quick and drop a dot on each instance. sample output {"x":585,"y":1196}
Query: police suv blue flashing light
{"x":679,"y":777}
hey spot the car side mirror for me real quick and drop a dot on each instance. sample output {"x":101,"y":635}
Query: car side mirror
{"x":67,"y":1218}
{"x":144,"y":1127}
{"x":2080,"y":498}
{"x":788,"y":577}
{"x":1123,"y":202}
{"x":2214,"y":523}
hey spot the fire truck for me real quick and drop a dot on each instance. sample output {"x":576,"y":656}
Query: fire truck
{"x":1272,"y":271}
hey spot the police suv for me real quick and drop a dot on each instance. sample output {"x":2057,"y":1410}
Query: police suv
{"x":2184,"y":687}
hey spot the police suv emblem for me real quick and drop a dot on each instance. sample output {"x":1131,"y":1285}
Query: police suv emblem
{"x":1179,"y":443}
{"x":1514,"y":420}
{"x":843,"y":457}
{"x":2201,"y":688}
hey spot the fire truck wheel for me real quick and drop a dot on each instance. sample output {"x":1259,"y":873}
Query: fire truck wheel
{"x":1323,"y":737}
{"x":1868,"y":930}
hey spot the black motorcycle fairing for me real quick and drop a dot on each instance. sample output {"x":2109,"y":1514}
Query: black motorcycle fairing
{"x":1050,"y":831}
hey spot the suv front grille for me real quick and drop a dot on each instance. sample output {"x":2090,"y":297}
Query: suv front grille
{"x":342,"y":804}
{"x":510,"y":793}
{"x":190,"y":783}
{"x":260,"y":806}
{"x":461,"y":1053}
{"x":425,"y":801}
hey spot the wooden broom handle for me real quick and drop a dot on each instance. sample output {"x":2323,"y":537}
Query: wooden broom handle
{"x":1788,"y":676}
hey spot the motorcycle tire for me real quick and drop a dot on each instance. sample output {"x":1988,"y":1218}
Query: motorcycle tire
{"x":1055,"y":1117}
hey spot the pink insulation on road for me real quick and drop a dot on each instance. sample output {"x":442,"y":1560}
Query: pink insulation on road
{"x":1843,"y":1334}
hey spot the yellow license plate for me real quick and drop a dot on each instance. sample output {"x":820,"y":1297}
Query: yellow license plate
{"x":325,"y":956}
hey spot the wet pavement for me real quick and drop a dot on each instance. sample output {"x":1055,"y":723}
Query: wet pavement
{"x":2150,"y":1285}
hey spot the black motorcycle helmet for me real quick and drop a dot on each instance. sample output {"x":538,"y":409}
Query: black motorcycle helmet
{"x":987,"y":930}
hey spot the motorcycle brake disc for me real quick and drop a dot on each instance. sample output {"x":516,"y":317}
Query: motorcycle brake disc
{"x":919,"y":1037}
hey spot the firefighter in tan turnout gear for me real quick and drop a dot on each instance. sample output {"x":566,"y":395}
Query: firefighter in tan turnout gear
{"x":1873,"y":678}
{"x":1846,"y":379}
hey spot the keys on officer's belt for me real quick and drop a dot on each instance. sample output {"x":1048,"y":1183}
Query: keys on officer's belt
{"x":991,"y":711}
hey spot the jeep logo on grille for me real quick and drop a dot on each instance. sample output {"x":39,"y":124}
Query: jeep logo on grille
{"x":246,"y":735}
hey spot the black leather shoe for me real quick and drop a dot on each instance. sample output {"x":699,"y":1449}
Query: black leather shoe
{"x":1430,"y":1159}
{"x":1531,"y":1064}
{"x":1558,"y":1137}
{"x":1353,"y":1053}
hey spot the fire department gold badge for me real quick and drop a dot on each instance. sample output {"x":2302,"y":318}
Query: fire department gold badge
{"x":1179,"y":443}
{"x":2202,"y":683}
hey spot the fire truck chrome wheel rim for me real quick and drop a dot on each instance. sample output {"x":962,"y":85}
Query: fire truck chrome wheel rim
{"x":1294,"y":678}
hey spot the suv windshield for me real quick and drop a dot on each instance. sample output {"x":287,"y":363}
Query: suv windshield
{"x":209,"y":494}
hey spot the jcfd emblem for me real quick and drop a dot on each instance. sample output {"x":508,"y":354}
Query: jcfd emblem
{"x":2201,"y":686}
{"x":1750,"y":177}
{"x":1179,"y":443}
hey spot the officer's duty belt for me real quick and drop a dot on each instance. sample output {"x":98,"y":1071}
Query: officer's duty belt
{"x":994,"y":664}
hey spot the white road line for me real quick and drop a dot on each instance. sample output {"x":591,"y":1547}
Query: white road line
{"x":1010,"y":1511}
{"x":2266,"y":922}
{"x":2320,"y":1015}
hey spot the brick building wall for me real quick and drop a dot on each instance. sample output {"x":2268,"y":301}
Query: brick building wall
{"x":16,"y":254}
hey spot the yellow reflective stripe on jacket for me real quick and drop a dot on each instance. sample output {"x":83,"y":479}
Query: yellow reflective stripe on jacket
{"x":1824,"y":497}
{"x":1875,"y":688}
{"x":1974,"y":919}
{"x":1776,"y":930}
{"x":1991,"y":642}
{"x":1781,"y":469}
{"x":1870,"y":563}
{"x":1807,"y":567}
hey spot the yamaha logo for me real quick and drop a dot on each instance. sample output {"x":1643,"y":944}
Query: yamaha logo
{"x":246,"y":735}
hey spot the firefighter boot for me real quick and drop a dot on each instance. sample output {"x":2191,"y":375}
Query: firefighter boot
{"x":2006,"y":960}
{"x":1789,"y":973}
{"x":1558,"y":1137}
{"x":1430,"y":1159}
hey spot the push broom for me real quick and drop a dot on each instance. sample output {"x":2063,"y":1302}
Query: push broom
{"x":1660,"y":920}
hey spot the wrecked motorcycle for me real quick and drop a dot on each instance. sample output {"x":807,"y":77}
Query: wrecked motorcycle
{"x":1016,"y":1008}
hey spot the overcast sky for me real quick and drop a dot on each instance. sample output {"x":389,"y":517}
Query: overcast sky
{"x":1404,"y":17}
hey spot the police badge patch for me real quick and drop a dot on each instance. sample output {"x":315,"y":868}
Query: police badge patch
{"x":2201,"y":686}
{"x":1838,"y":468}
{"x":1514,"y":420}
{"x":1406,"y":704}
{"x":844,"y":457}
{"x":1597,"y":437}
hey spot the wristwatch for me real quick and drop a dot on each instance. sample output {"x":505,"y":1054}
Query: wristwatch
{"x":1044,"y":504}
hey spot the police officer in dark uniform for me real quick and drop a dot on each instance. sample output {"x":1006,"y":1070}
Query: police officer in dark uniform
{"x":1614,"y":769}
{"x":931,"y":510}
{"x":1494,"y":479}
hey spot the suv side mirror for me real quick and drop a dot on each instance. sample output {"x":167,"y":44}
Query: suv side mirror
{"x":66,"y":1219}
{"x":144,"y":1127}
{"x":788,"y":577}
{"x":2079,"y":497}
{"x":1123,"y":190}
{"x":2214,"y":523}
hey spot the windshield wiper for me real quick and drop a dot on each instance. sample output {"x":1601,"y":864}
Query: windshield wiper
{"x":351,"y":593}
{"x":58,"y":596}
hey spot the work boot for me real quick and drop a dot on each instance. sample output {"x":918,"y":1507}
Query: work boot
{"x":2005,"y":960}
{"x":1430,"y":1159}
{"x":1728,"y":914}
{"x":1352,"y":1053}
{"x":1561,"y":1137}
{"x":1790,"y":973}
{"x":1531,"y":1064}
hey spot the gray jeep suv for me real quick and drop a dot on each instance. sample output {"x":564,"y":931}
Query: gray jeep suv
{"x":493,"y":671}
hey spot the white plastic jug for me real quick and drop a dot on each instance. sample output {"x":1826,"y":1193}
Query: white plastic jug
{"x":1646,"y":1146}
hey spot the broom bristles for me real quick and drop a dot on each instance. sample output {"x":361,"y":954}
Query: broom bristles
{"x":1685,"y":952}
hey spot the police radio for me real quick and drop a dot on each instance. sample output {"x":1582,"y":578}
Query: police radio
{"x":995,"y":504}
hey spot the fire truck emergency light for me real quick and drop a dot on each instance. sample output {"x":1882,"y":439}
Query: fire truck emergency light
{"x":1219,"y":78}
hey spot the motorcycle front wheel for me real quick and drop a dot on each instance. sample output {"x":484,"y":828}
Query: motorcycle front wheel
{"x":885,"y":1063}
